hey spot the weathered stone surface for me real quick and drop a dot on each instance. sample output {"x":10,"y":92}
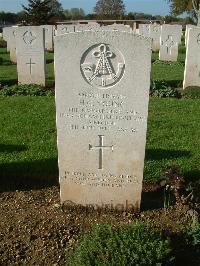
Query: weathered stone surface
{"x":189,"y":26}
{"x":102,"y":91}
{"x":192,"y":62}
{"x":62,"y":29}
{"x":117,"y":27}
{"x":30,"y":55}
{"x":86,"y":27}
{"x":144,"y":29}
{"x":49,"y":32}
{"x":170,"y":38}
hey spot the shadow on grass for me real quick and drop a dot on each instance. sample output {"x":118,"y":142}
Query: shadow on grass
{"x":159,"y":154}
{"x":12,"y":148}
{"x":192,"y":176}
{"x":8,"y":82}
{"x":28,"y":175}
{"x":152,"y":200}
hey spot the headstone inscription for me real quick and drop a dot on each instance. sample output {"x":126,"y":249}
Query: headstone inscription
{"x":102,"y":108}
{"x":30,"y":55}
{"x":155,"y":33}
{"x":49,"y":32}
{"x":62,"y":29}
{"x":170,"y":36}
{"x":192,"y":62}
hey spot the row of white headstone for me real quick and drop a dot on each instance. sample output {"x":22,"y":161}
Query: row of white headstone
{"x":30,"y":58}
{"x":27,"y":47}
{"x":165,"y":38}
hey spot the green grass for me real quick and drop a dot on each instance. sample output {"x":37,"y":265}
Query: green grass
{"x":28,"y":138}
{"x":28,"y":141}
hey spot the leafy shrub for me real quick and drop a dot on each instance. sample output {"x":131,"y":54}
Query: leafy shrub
{"x":3,"y":43}
{"x":162,"y":89}
{"x":136,"y":244}
{"x":192,"y":92}
{"x":193,"y":235}
{"x":25,"y":90}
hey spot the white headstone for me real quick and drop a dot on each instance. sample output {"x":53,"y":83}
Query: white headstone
{"x":192,"y":62}
{"x":170,"y":37}
{"x":189,"y":26}
{"x":144,"y":29}
{"x":30,"y":55}
{"x":6,"y":35}
{"x":83,"y":27}
{"x":102,"y":91}
{"x":12,"y":44}
{"x":117,"y":27}
{"x":49,"y":32}
{"x":155,"y":33}
{"x":62,"y":29}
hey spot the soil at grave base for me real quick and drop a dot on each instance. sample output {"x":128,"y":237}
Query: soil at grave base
{"x":35,"y":230}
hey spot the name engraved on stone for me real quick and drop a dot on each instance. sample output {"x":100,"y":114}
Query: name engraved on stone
{"x":101,"y":147}
{"x":30,"y":63}
{"x":102,"y":66}
{"x":29,"y":38}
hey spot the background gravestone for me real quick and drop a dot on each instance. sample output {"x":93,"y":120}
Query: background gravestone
{"x":62,"y":29}
{"x":117,"y":27}
{"x":102,"y":91}
{"x":192,"y":62}
{"x":49,"y":32}
{"x":144,"y":29}
{"x":170,"y":38}
{"x":12,"y":44}
{"x":83,"y":27}
{"x":30,"y":55}
{"x":5,"y":36}
{"x":155,"y":33}
{"x":189,"y":26}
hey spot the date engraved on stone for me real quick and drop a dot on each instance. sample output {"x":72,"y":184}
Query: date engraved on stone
{"x":102,"y":66}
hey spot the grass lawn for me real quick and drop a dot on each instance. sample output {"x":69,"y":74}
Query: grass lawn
{"x":28,"y":139}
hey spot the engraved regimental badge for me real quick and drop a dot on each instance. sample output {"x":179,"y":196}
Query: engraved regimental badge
{"x":102,"y":66}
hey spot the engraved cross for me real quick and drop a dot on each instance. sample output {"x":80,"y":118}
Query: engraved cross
{"x":101,"y":147}
{"x":169,"y":43}
{"x":30,"y":65}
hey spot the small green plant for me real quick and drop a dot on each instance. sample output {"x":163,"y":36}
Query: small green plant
{"x":162,"y":89}
{"x":193,"y":236}
{"x":173,"y":182}
{"x":136,"y":244}
{"x":25,"y":90}
{"x":192,"y":92}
